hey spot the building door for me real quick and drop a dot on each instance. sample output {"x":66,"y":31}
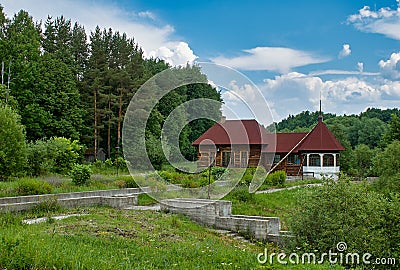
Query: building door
{"x":226,"y":157}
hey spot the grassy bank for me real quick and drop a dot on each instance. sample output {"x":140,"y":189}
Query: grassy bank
{"x":277,"y":204}
{"x":113,"y":239}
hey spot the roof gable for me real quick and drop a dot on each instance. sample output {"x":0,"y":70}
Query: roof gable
{"x":320,"y":139}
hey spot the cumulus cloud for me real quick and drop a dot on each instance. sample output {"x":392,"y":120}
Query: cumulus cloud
{"x":295,"y":92}
{"x":391,"y":67}
{"x":391,"y":89}
{"x":384,"y":21}
{"x":346,"y":51}
{"x":154,"y":38}
{"x":178,"y":54}
{"x":270,"y":58}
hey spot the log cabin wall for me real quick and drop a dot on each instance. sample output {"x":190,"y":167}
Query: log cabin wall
{"x":241,"y":156}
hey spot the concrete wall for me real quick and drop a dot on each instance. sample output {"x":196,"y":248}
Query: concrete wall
{"x":199,"y":210}
{"x":218,"y":214}
{"x":61,"y":196}
{"x":117,"y":198}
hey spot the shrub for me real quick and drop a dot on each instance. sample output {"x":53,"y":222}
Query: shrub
{"x":109,"y":163}
{"x":277,"y":178}
{"x":217,"y":172}
{"x":80,"y":174}
{"x":33,"y":187}
{"x":241,"y":193}
{"x":346,"y":212}
{"x":129,"y":181}
{"x":56,"y":155}
{"x":65,"y":154}
{"x":12,"y":143}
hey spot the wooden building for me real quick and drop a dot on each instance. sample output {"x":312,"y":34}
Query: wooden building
{"x":245,"y":143}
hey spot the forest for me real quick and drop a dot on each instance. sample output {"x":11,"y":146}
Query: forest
{"x":70,"y":89}
{"x":63,"y":83}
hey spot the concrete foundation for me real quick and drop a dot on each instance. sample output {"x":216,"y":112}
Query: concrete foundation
{"x":117,"y":198}
{"x":218,"y":214}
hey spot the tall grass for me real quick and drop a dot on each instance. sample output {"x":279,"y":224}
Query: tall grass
{"x":115,"y":239}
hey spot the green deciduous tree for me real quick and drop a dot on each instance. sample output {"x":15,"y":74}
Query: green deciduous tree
{"x":345,"y":212}
{"x":12,"y":143}
{"x":361,"y":160}
{"x":51,"y":106}
{"x":387,"y":166}
{"x":393,"y":131}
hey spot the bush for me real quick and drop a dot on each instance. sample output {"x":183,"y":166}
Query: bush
{"x":80,"y":174}
{"x":126,"y":182}
{"x":56,"y":155}
{"x":241,"y":193}
{"x":12,"y":143}
{"x":346,"y":212}
{"x":217,"y":172}
{"x":276,"y":179}
{"x":33,"y":187}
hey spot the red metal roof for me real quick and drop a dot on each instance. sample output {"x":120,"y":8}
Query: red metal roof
{"x":320,"y":137}
{"x":285,"y":142}
{"x":240,"y":132}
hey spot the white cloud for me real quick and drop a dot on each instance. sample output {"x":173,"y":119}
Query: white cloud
{"x":295,"y":92}
{"x":384,"y":21}
{"x":343,"y":72}
{"x":346,"y":51}
{"x":391,"y":67}
{"x":270,"y":58}
{"x":178,"y":54}
{"x":141,"y":25}
{"x":391,"y":88}
{"x":360,"y":66}
{"x":147,"y":14}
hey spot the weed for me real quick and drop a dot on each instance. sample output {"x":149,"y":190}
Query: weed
{"x":28,"y":186}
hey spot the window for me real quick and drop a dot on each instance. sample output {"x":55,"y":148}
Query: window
{"x":243,"y":159}
{"x":294,"y":159}
{"x":314,"y":160}
{"x":226,"y":158}
{"x":277,"y":158}
{"x":328,"y":160}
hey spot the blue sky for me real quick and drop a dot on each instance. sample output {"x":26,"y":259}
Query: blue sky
{"x":292,"y":50}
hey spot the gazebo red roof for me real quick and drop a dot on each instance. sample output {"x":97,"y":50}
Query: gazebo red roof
{"x":320,"y":139}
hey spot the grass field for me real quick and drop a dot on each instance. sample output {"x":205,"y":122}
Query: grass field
{"x":277,"y":204}
{"x":106,"y":238}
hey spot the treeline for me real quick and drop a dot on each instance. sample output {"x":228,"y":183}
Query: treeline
{"x":63,"y":83}
{"x":365,"y":136}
